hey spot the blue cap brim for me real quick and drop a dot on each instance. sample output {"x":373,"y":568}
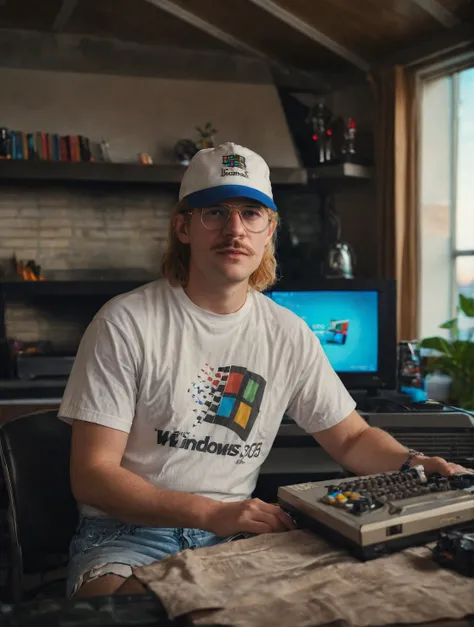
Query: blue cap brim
{"x":207,"y":197}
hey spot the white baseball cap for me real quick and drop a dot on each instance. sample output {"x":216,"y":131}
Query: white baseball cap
{"x":227,"y":171}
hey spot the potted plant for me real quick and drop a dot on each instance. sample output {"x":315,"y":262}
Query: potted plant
{"x":206,"y":135}
{"x":455,"y":356}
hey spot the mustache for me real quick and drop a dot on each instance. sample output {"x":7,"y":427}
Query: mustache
{"x":233,"y":244}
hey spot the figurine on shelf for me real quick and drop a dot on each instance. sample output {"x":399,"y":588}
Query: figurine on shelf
{"x":206,"y":139}
{"x":348,"y":148}
{"x":184,"y":150}
{"x":320,"y":120}
{"x":145,"y":158}
{"x":104,"y":150}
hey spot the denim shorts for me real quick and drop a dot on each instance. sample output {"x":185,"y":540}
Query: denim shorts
{"x":103,"y":546}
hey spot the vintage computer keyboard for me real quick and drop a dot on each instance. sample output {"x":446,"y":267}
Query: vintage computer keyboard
{"x":378,"y":514}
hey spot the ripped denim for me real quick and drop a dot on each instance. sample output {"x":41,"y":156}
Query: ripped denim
{"x":107,"y":546}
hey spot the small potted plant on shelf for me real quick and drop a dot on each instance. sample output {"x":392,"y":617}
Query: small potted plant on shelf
{"x":455,"y":356}
{"x":206,"y":135}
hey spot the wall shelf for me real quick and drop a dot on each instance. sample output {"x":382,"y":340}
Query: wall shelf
{"x":18,"y":390}
{"x":136,"y":173}
{"x":124,"y":173}
{"x":340,"y":171}
{"x":17,"y":289}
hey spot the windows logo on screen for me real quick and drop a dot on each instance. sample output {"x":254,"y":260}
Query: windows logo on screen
{"x":235,"y":399}
{"x":337,"y":332}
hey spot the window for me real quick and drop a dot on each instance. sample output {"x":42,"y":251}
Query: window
{"x":446,"y":196}
{"x":463,"y":249}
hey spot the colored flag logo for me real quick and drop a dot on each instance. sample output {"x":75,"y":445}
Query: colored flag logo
{"x":233,"y":399}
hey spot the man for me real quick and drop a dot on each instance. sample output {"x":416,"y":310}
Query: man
{"x":179,"y":387}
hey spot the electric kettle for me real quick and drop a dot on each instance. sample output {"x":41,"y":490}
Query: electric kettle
{"x":339,"y":262}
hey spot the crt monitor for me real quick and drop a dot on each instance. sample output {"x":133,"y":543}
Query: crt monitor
{"x":355,"y":321}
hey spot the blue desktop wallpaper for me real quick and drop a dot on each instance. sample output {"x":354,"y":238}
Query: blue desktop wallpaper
{"x":346,"y":323}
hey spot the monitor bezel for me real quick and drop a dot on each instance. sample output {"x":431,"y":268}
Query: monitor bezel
{"x":386,"y":375}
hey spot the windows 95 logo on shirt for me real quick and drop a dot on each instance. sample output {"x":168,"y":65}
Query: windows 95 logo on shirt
{"x":229,"y":396}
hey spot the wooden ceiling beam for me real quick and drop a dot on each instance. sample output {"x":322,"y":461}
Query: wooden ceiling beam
{"x":313,"y":33}
{"x":233,"y":42}
{"x":64,"y":14}
{"x":440,"y":14}
{"x":206,"y":27}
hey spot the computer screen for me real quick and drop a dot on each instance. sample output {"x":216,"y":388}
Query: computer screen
{"x":346,"y":323}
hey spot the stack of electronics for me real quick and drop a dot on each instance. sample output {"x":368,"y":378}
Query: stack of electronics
{"x":378,"y":514}
{"x":355,"y":322}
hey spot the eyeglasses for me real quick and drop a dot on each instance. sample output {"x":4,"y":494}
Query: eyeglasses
{"x":255,"y":218}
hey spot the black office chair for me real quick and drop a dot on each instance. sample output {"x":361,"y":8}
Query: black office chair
{"x":42,"y":513}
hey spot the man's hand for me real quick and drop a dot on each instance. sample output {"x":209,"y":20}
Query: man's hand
{"x":252,"y":516}
{"x":440,"y":465}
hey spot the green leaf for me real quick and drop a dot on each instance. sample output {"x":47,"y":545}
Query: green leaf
{"x":450,"y":324}
{"x":437,"y":344}
{"x":455,"y":357}
{"x":466,"y":305}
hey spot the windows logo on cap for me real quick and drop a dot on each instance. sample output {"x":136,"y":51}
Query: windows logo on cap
{"x":227,"y":171}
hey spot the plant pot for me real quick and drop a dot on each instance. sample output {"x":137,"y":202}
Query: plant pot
{"x":438,"y":387}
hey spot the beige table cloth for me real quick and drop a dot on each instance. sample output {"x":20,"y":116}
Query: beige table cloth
{"x":298,"y":579}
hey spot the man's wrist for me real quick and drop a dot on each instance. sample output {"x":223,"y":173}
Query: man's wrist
{"x":207,"y":513}
{"x":413,"y":458}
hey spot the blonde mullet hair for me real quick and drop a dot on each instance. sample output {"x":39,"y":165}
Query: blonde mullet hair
{"x":176,"y":258}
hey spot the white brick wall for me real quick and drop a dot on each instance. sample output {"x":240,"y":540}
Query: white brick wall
{"x":72,"y":229}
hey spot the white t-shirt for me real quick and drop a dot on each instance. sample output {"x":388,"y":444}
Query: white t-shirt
{"x":201,"y":394}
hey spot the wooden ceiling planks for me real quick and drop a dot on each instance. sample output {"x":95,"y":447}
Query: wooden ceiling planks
{"x":309,"y":31}
{"x":330,"y":37}
{"x":369,"y":28}
{"x":139,"y":22}
{"x":265,"y":32}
